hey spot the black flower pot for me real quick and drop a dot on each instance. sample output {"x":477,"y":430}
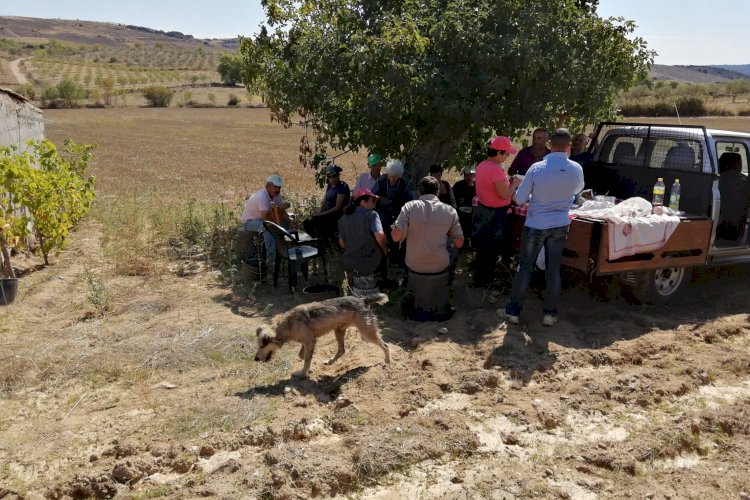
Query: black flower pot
{"x":8,"y":290}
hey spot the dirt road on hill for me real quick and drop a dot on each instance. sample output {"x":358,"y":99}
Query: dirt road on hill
{"x":15,"y":68}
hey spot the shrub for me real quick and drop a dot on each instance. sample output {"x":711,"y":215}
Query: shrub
{"x":744,"y":112}
{"x":158,"y":96}
{"x":69,"y":92}
{"x":691,"y":106}
{"x":52,"y":188}
{"x":27,"y":90}
{"x":49,"y":96}
{"x":233,"y":100}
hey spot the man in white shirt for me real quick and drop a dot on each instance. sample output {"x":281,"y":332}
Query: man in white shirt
{"x":367,"y":180}
{"x":259,"y":208}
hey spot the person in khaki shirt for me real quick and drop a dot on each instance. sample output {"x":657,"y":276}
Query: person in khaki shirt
{"x":426,"y":224}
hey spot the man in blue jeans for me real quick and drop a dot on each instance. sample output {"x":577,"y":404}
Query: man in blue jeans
{"x":550,"y":186}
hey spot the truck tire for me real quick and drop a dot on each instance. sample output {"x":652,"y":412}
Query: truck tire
{"x":661,"y":286}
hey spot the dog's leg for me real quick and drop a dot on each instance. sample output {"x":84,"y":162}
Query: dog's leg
{"x":302,"y":352}
{"x":368,"y":330}
{"x":309,"y":347}
{"x":340,"y":334}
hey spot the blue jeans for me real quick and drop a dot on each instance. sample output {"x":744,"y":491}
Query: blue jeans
{"x":256,"y":225}
{"x":532,"y":241}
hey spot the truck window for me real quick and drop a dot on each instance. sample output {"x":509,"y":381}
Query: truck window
{"x":682,"y":154}
{"x":622,"y":150}
{"x":733,"y":147}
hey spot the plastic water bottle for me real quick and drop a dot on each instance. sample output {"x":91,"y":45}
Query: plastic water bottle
{"x":475,"y":201}
{"x":658,"y":198}
{"x":674,"y":196}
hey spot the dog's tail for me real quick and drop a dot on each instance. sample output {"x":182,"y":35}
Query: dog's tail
{"x":376,"y":299}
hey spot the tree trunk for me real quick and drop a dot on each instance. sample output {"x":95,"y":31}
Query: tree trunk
{"x":7,"y":268}
{"x":429,"y":152}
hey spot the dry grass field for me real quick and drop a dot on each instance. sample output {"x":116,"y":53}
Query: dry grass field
{"x":126,"y":366}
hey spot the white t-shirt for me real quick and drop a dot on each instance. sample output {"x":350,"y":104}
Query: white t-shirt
{"x":257,"y":205}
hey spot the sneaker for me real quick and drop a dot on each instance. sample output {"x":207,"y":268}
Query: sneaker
{"x":510,"y":318}
{"x":549,"y":320}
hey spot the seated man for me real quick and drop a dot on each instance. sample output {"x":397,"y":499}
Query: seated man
{"x":426,"y":224}
{"x":258,"y":208}
{"x":733,"y":188}
{"x":324,"y":223}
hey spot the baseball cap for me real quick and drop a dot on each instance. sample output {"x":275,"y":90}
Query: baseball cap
{"x":469,"y":170}
{"x":274,"y":179}
{"x":332,"y":169}
{"x":502,"y":143}
{"x":373,"y":160}
{"x":359,"y":193}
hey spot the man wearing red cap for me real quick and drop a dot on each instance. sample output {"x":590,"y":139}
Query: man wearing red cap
{"x":495,"y":191}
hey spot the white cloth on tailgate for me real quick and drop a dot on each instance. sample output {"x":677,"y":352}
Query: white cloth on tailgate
{"x":631,"y":226}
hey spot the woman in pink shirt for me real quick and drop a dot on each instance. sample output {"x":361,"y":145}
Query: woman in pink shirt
{"x":495,"y":191}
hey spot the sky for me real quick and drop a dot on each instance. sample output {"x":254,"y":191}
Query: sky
{"x":681,"y":31}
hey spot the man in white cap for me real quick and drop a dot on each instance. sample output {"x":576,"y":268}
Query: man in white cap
{"x":259,"y":207}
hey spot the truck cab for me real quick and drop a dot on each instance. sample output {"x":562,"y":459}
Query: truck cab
{"x":626,"y":159}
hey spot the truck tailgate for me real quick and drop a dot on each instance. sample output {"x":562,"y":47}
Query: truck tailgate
{"x":588,"y":243}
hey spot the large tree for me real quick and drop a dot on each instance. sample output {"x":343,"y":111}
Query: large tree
{"x":430,"y":80}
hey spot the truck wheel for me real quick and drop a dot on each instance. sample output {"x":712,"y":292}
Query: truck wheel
{"x":661,"y":286}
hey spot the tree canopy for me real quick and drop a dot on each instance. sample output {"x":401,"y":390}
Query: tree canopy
{"x":230,"y":69}
{"x":431,"y":80}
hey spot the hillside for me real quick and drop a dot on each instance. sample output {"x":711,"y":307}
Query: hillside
{"x":110,"y":62}
{"x":696,"y":74}
{"x":29,"y":29}
{"x":739,"y":68}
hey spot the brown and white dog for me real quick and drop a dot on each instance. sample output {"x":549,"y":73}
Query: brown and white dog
{"x":306,"y":322}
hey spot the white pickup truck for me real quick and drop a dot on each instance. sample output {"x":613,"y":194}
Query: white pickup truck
{"x":625,"y":160}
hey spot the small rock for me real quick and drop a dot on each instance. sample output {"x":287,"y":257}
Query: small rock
{"x":443,"y":331}
{"x":705,"y":378}
{"x":406,"y":411}
{"x":93,"y":458}
{"x":415,"y":341}
{"x":342,"y":402}
{"x":548,"y":472}
{"x":550,"y":423}
{"x":165,"y":385}
{"x":500,"y":399}
{"x":207,"y":451}
{"x":458,"y":478}
{"x":510,"y":439}
{"x":744,"y":496}
{"x":427,"y":364}
{"x":695,"y":426}
{"x":270,"y":459}
{"x":123,"y":473}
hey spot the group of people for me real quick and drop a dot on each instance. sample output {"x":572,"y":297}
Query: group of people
{"x":384,"y":220}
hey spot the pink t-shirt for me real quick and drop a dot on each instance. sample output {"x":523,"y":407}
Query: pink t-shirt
{"x":488,"y":173}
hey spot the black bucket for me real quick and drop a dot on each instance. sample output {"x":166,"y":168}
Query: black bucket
{"x":321,"y":291}
{"x":8,"y":290}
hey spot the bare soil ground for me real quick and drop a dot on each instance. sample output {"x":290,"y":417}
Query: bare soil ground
{"x":159,"y":397}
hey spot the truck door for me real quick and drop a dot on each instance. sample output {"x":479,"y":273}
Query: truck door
{"x":734,"y":192}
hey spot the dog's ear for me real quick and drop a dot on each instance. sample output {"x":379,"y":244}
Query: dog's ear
{"x":259,"y":331}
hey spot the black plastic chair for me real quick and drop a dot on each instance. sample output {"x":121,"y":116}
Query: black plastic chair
{"x":290,"y":248}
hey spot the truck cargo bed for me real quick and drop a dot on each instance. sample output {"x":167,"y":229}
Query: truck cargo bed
{"x":587,"y":248}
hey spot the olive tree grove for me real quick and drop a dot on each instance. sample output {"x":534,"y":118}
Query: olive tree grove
{"x":431,"y":80}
